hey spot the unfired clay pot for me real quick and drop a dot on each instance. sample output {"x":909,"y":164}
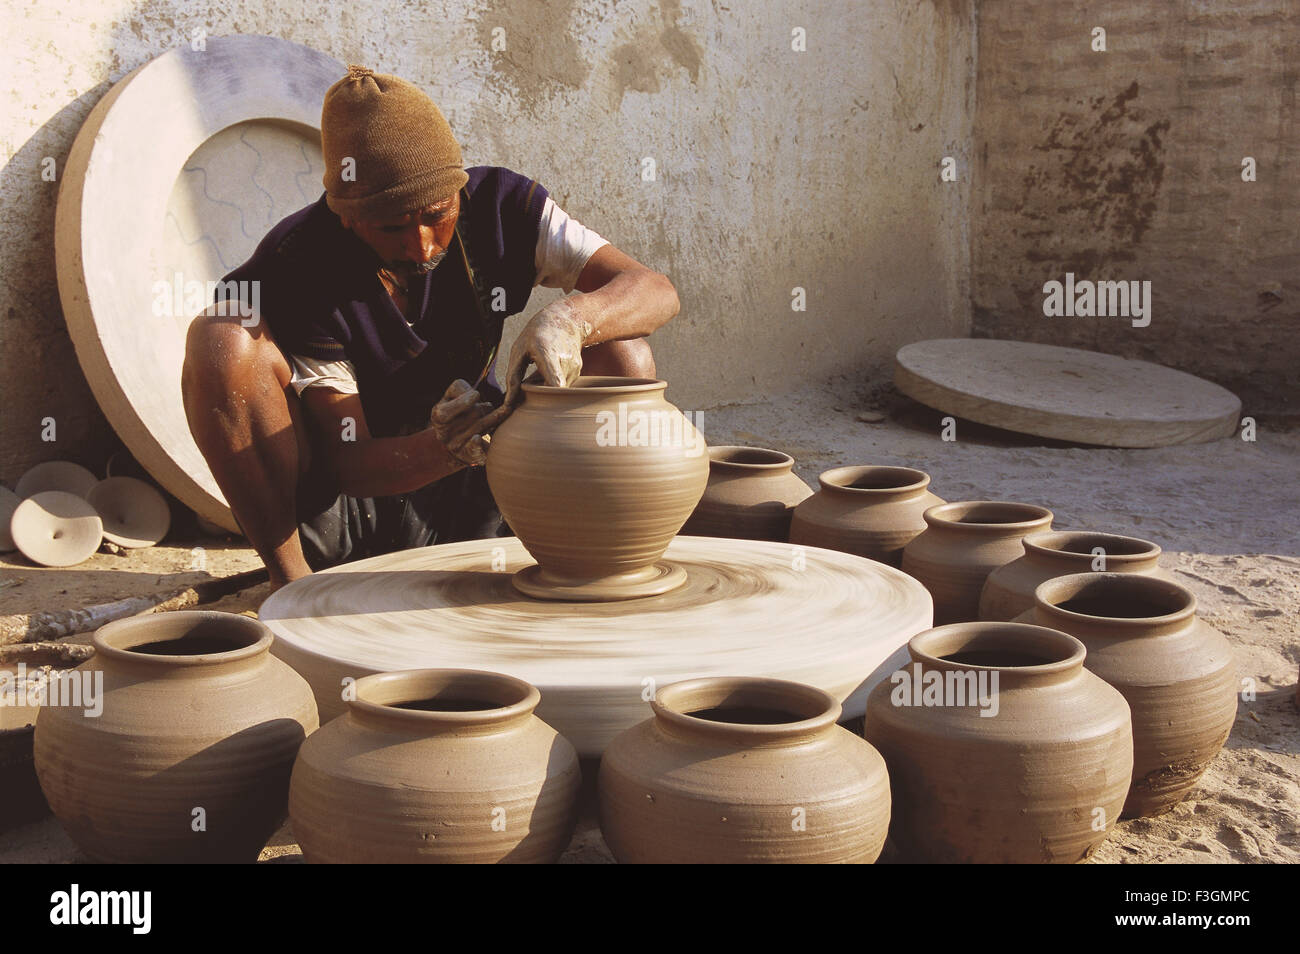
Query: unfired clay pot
{"x":872,"y":512}
{"x":962,"y":544}
{"x":189,"y":758}
{"x":1176,"y":671}
{"x":1040,"y":778}
{"x":751,"y":494}
{"x":596,"y":479}
{"x":1009,"y":590}
{"x":742,"y":770}
{"x":436,"y":765}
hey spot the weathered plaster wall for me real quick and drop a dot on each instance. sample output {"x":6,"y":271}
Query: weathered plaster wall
{"x":1127,"y":164}
{"x":774,"y":168}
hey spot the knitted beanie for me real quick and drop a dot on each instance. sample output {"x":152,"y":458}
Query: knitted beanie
{"x":388,"y":149}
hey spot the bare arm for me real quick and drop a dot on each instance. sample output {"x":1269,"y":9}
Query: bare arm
{"x":622,"y":298}
{"x":368,"y":466}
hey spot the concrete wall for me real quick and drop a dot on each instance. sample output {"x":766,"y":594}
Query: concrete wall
{"x":1127,"y":164}
{"x":774,"y":168}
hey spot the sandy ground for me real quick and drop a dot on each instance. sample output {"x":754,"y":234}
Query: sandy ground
{"x":1226,"y":514}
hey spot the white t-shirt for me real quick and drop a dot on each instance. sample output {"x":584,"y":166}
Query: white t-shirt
{"x":563,"y":247}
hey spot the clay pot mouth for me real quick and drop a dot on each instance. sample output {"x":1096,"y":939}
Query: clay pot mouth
{"x":601,"y":384}
{"x":993,"y":515}
{"x":751,"y":708}
{"x":1081,"y":543}
{"x":447,"y":697}
{"x":1012,"y":648}
{"x":876,"y":480}
{"x":1118,"y":599}
{"x":184,"y":638}
{"x":748,"y":458}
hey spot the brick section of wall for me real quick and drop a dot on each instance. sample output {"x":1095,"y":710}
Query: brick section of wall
{"x":1127,"y":164}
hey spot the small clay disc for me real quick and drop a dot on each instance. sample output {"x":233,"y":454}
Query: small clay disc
{"x":8,"y":503}
{"x":56,"y":528}
{"x":654,"y":580}
{"x":134,"y":513}
{"x":56,"y":475}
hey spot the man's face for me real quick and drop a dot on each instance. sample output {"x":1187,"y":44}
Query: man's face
{"x":413,"y":243}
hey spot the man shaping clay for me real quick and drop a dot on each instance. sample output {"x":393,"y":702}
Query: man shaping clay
{"x":346,"y":419}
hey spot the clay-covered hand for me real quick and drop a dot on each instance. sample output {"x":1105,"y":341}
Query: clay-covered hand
{"x":459,"y":421}
{"x":553,"y":340}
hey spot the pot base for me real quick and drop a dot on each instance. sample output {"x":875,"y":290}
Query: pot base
{"x":654,"y":580}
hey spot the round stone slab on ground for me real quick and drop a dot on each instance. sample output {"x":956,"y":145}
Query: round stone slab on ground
{"x":1065,"y":393}
{"x":748,"y":608}
{"x":55,"y":528}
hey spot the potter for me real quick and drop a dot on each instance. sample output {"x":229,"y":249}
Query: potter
{"x":347,"y":416}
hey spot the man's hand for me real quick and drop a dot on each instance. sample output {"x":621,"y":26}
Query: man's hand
{"x":553,"y":340}
{"x":460,"y":420}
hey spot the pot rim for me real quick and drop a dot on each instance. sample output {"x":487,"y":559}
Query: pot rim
{"x":1071,"y":585}
{"x":924,"y":647}
{"x":829,"y":479}
{"x":1032,"y":516}
{"x":376,"y":693}
{"x":710,"y":691}
{"x":1041,"y":544}
{"x":779,"y":461}
{"x":601,"y":384}
{"x":114,"y":640}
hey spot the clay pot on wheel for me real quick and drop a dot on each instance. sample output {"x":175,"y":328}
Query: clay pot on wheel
{"x":596,"y":479}
{"x":872,"y":512}
{"x":751,"y":495}
{"x":962,"y":544}
{"x":1001,"y":747}
{"x":733,"y":770}
{"x":1176,"y":671}
{"x":436,"y":765}
{"x":184,"y":752}
{"x":1009,"y":590}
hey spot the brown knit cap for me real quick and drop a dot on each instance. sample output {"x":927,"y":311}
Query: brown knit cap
{"x":404,"y":155}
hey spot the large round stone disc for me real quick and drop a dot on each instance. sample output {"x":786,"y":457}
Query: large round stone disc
{"x":1065,"y":393}
{"x":748,"y":608}
{"x":176,"y":175}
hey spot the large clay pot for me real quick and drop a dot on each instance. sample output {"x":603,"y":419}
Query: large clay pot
{"x":751,"y":494}
{"x":1176,"y":671}
{"x":436,"y":765}
{"x":962,"y":544}
{"x":735,"y":770}
{"x":596,"y":479}
{"x":1009,"y":590}
{"x":190,"y":755}
{"x":1001,"y":746}
{"x":872,"y":512}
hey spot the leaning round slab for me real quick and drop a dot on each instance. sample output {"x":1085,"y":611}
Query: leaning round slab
{"x":9,"y":502}
{"x":176,"y":175}
{"x":134,"y":513}
{"x":1065,"y":393}
{"x":748,"y":608}
{"x":56,"y":528}
{"x":56,"y":475}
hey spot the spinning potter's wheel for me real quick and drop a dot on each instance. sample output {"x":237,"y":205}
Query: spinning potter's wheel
{"x":748,"y":608}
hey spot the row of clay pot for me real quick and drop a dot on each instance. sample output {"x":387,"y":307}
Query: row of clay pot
{"x":196,"y":740}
